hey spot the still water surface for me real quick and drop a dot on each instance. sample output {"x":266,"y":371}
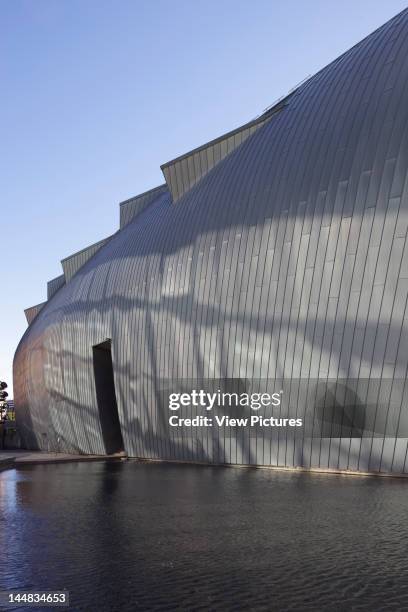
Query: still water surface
{"x":128,"y":536}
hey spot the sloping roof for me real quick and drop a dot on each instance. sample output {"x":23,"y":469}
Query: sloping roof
{"x":54,"y":284}
{"x":183,"y":172}
{"x":130,"y":208}
{"x":33,"y":311}
{"x":73,"y":263}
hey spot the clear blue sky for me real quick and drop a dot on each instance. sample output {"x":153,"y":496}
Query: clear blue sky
{"x":97,"y":94}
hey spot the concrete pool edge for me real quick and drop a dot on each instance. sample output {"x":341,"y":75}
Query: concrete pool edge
{"x":10,"y":459}
{"x":22,"y":458}
{"x":302,"y":470}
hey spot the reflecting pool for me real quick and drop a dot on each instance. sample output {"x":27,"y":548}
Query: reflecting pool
{"x":133,"y":536}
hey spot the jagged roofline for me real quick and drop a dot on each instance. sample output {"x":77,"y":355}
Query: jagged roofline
{"x":71,"y":264}
{"x":149,"y":192}
{"x":277,"y":264}
{"x":74,"y":262}
{"x":182,"y":173}
{"x":33,"y":311}
{"x":54,"y":284}
{"x":130,"y":208}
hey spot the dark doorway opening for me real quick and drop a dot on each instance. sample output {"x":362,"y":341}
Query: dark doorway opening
{"x":106,"y":398}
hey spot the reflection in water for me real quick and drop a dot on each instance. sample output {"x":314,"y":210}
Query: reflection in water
{"x":129,"y":536}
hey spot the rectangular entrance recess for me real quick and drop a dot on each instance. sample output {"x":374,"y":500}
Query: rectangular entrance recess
{"x":106,"y":397}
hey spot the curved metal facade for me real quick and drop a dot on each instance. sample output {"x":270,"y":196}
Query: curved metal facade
{"x":287,"y":259}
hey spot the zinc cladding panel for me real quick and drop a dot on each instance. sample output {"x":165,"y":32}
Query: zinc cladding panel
{"x":33,"y":311}
{"x":268,"y":267}
{"x":74,"y":262}
{"x":182,"y":174}
{"x":132,"y":207}
{"x":55,"y":284}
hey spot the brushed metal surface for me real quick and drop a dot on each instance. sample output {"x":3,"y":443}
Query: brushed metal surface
{"x":74,"y":262}
{"x":132,"y":207}
{"x":33,"y":311}
{"x":287,"y":259}
{"x":54,"y":284}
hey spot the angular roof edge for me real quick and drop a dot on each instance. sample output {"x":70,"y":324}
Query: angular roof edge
{"x":73,"y":263}
{"x":185,"y":171}
{"x":263,"y":117}
{"x":54,"y":285}
{"x":32,"y":311}
{"x":145,"y":193}
{"x":94,"y":244}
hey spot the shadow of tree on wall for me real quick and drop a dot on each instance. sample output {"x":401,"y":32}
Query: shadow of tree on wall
{"x":340,"y":421}
{"x":100,"y":299}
